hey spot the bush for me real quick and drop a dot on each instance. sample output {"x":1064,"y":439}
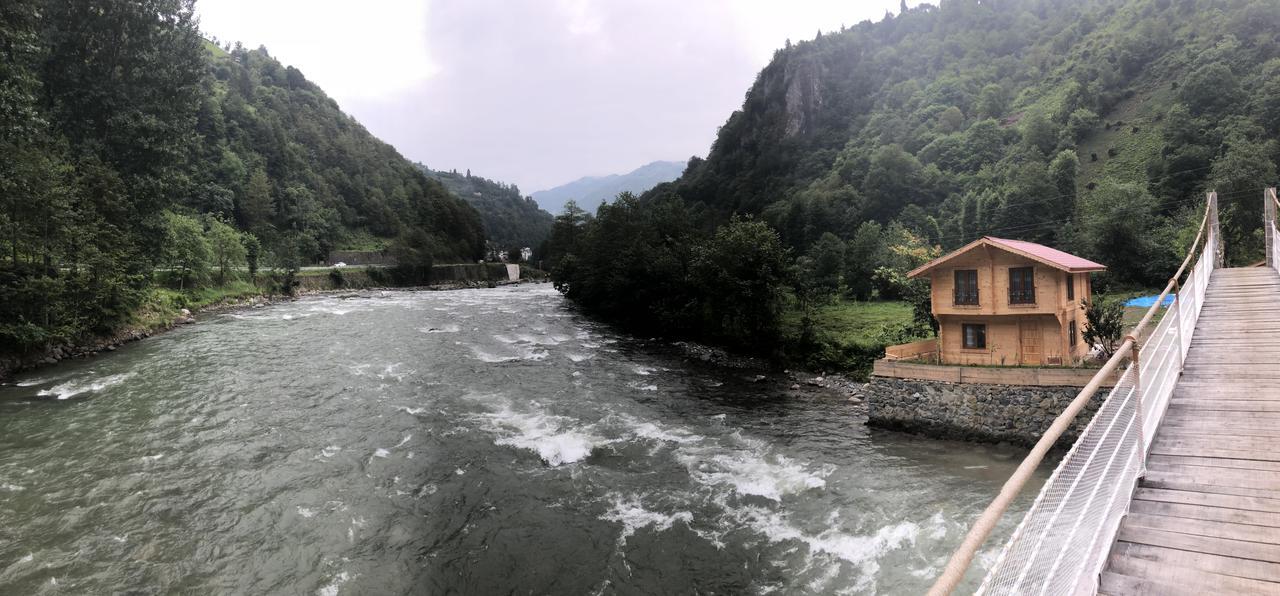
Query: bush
{"x":1104,"y":325}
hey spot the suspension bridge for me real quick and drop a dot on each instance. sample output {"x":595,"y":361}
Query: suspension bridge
{"x":1174,"y":486}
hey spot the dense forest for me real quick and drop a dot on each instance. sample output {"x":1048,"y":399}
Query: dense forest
{"x":511,"y":221}
{"x":1095,"y":126}
{"x":132,"y":148}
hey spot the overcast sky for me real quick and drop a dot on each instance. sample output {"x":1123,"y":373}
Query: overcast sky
{"x":535,"y":92}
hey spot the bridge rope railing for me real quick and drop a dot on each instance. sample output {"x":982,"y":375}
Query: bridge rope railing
{"x":1062,"y":542}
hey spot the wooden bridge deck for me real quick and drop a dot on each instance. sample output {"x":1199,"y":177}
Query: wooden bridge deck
{"x":1206,"y":517}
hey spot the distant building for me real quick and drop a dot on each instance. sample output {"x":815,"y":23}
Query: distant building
{"x":1009,"y":302}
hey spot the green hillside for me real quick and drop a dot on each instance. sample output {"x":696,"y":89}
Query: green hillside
{"x":132,"y":145}
{"x":1092,"y":125}
{"x":511,"y":221}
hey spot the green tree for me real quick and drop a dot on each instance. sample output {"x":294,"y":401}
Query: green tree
{"x":992,"y":102}
{"x":1081,"y":122}
{"x":1038,"y":133}
{"x":256,"y":208}
{"x":185,"y":249}
{"x":862,"y":258}
{"x":894,"y":179}
{"x":1238,"y":176}
{"x":828,"y":259}
{"x":1210,"y":89}
{"x":950,"y":120}
{"x":1120,"y":233}
{"x":226,"y":247}
{"x":741,"y":271}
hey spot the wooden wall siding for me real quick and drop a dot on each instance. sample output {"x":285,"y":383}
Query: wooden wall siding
{"x":1052,"y":310}
{"x":915,"y":349}
{"x":1004,"y":340}
{"x":1047,"y":376}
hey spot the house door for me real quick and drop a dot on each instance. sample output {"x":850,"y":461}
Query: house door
{"x":1031,"y":340}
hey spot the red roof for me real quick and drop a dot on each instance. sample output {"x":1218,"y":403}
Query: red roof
{"x":1052,"y":256}
{"x":1036,"y":252}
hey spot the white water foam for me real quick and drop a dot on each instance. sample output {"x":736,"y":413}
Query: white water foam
{"x":33,"y":382}
{"x":578,"y":357}
{"x":71,"y":388}
{"x":863,"y":552}
{"x":306,"y":512}
{"x":522,"y":353}
{"x":643,"y":386}
{"x":330,"y":451}
{"x":553,"y":438}
{"x":334,"y":586}
{"x":381,"y":453}
{"x":752,"y":473}
{"x":633,"y":517}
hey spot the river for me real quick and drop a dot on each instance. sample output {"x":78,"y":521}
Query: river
{"x":488,"y":441}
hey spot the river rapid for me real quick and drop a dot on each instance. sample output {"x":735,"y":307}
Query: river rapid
{"x":489,"y":441}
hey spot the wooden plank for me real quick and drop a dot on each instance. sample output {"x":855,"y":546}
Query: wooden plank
{"x":1244,"y":464}
{"x":1186,"y":483}
{"x":1115,"y":583}
{"x":1173,"y":558}
{"x":1231,"y":442}
{"x":1266,"y":504}
{"x":1200,"y":544}
{"x":1199,"y":527}
{"x":1237,"y":405}
{"x":1189,"y":578}
{"x":1202,"y":512}
{"x":1167,"y":448}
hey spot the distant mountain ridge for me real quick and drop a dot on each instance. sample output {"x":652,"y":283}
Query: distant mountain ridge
{"x":589,"y":191}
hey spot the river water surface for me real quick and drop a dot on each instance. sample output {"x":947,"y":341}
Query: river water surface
{"x":466,"y":442}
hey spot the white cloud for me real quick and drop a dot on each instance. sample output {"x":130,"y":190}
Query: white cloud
{"x":372,"y":48}
{"x":535,"y":92}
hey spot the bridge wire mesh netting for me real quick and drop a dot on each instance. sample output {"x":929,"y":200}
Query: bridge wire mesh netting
{"x":1062,"y":543}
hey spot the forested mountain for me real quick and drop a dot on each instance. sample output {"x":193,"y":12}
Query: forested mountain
{"x":590,"y":191}
{"x":1091,"y":125}
{"x":131,"y":145}
{"x":511,"y":221}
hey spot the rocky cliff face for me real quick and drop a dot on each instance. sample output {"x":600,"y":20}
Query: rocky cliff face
{"x":803,"y":96}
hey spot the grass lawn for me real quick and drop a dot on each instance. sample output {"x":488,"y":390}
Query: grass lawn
{"x":849,"y":334}
{"x":850,"y":321}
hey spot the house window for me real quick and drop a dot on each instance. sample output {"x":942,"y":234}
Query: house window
{"x":966,"y":286}
{"x":1022,"y":287}
{"x":975,"y":336}
{"x":1071,"y":287}
{"x":1071,"y":332}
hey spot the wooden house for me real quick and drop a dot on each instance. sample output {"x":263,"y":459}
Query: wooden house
{"x":1009,"y":303}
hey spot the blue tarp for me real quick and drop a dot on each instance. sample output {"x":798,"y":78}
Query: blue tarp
{"x":1147,"y":301}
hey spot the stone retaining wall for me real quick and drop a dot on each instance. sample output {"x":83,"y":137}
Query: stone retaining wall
{"x":1017,"y":414}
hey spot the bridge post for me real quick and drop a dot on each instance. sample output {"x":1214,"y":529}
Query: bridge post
{"x":1176,"y":309}
{"x":1212,"y":233}
{"x":1268,"y":225}
{"x":1135,"y":356}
